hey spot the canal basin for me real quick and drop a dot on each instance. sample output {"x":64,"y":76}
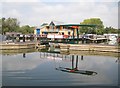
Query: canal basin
{"x":39,"y":69}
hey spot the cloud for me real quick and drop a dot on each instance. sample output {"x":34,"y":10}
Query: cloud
{"x":0,"y":10}
{"x":35,"y":14}
{"x":20,"y":0}
{"x":60,"y":0}
{"x":13,"y":13}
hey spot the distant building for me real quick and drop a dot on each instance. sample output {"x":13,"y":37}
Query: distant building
{"x":11,"y":34}
{"x":111,"y":36}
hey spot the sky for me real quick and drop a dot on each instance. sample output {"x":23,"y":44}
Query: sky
{"x":37,"y":12}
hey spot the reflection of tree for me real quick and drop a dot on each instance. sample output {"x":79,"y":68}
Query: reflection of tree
{"x":75,"y":69}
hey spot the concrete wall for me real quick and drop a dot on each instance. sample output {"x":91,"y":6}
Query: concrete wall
{"x":17,"y":46}
{"x":89,"y":47}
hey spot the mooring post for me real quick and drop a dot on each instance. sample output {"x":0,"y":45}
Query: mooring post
{"x":72,"y":61}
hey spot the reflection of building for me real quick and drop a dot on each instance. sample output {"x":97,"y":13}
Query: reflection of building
{"x":54,"y":28}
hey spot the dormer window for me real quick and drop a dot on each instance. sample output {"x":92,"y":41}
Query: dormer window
{"x":52,"y":25}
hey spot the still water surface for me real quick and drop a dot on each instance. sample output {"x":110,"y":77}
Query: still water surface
{"x":51,"y":69}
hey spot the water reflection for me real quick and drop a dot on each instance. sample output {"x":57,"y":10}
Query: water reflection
{"x":24,"y":55}
{"x":45,"y":68}
{"x":118,"y":60}
{"x":19,"y":63}
{"x":82,"y":57}
{"x":17,"y":51}
{"x":75,"y":68}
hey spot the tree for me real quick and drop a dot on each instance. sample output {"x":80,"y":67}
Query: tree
{"x":26,"y":29}
{"x":10,"y":25}
{"x":111,"y":30}
{"x":93,"y":21}
{"x":0,"y":26}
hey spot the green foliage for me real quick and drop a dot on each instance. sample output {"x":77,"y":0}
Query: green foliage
{"x":99,"y":28}
{"x":26,"y":29}
{"x":96,"y":21}
{"x":111,"y":30}
{"x":9,"y":25}
{"x":12,"y":25}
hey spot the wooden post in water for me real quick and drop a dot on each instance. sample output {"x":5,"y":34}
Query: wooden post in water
{"x":76,"y":61}
{"x":72,"y":61}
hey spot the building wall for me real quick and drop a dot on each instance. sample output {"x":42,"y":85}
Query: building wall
{"x":42,"y":30}
{"x":35,"y":32}
{"x":59,"y":30}
{"x":66,"y":32}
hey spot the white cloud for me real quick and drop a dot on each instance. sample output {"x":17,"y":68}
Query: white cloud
{"x":0,"y":10}
{"x":59,"y":0}
{"x":75,"y":12}
{"x":20,"y":0}
{"x":13,"y":13}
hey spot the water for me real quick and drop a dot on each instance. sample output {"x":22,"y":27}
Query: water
{"x":50,"y":69}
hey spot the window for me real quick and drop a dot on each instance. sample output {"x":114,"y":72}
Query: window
{"x":37,"y":31}
{"x":68,"y":32}
{"x":47,"y":27}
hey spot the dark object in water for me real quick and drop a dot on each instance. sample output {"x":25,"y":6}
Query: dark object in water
{"x":24,"y":55}
{"x":76,"y":71}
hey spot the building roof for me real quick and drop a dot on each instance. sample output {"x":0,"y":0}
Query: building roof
{"x":58,"y":23}
{"x":85,"y":25}
{"x":44,"y":24}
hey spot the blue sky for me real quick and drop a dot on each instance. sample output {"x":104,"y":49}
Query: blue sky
{"x":36,"y":12}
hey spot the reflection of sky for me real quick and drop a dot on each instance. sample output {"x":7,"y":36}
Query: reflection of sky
{"x":17,"y":62}
{"x":104,"y":66}
{"x":35,"y":69}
